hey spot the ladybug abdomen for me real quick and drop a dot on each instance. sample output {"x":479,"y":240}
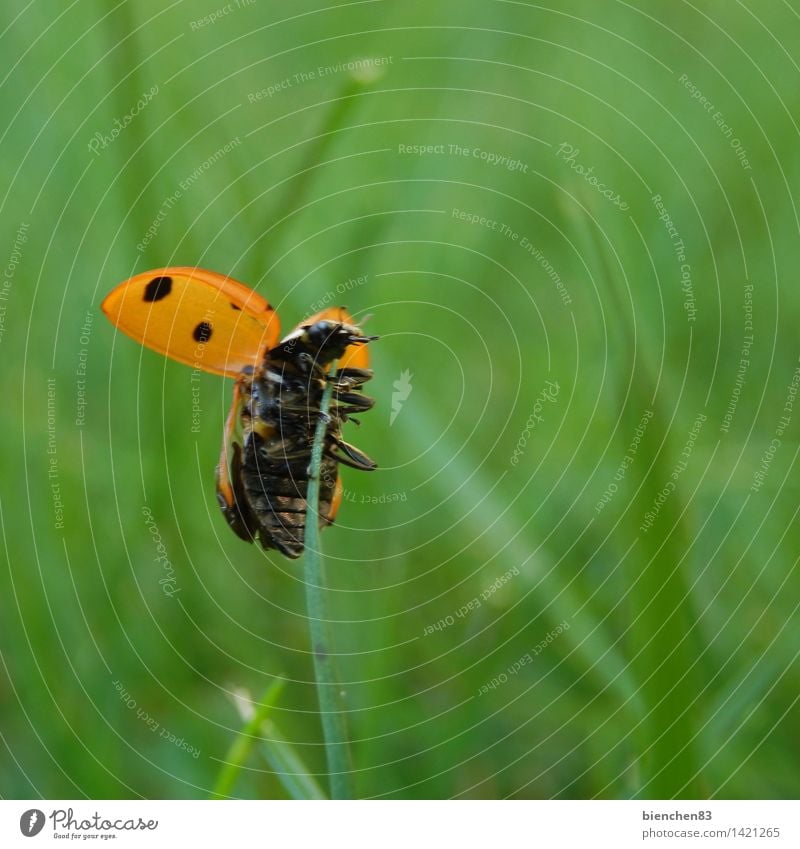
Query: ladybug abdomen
{"x":281,"y":419}
{"x":276,"y":490}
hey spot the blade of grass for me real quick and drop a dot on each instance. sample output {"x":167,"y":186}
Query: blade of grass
{"x":127,"y":63}
{"x":280,"y":756}
{"x":662,"y":632}
{"x":332,"y":712}
{"x":288,"y":766}
{"x":244,"y":741}
{"x":296,"y":192}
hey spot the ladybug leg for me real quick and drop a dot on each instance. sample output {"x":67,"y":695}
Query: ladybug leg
{"x":349,"y":455}
{"x":336,"y":501}
{"x":352,"y":401}
{"x":229,"y":490}
{"x":347,"y":378}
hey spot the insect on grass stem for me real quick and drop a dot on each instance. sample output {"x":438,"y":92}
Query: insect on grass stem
{"x":332,"y":711}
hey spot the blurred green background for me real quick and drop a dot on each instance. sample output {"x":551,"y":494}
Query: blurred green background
{"x":509,"y":622}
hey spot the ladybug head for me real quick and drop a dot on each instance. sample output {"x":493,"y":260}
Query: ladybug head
{"x":326,"y":339}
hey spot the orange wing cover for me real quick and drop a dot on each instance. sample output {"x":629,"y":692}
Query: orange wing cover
{"x":196,"y":317}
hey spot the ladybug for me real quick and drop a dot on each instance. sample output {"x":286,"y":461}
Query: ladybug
{"x":218,"y":325}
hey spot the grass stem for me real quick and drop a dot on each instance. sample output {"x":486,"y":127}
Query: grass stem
{"x":329,"y":694}
{"x":243,"y":743}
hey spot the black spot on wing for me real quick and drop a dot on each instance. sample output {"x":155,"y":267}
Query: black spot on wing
{"x":157,"y":288}
{"x":203,"y":331}
{"x":233,"y":306}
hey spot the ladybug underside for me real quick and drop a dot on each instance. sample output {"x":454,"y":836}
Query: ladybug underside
{"x":264,"y":495}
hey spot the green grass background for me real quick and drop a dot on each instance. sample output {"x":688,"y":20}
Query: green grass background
{"x":678,"y":674}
